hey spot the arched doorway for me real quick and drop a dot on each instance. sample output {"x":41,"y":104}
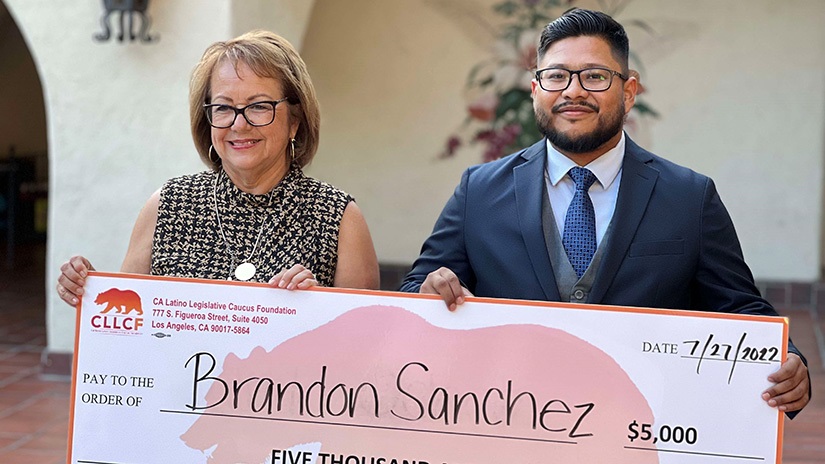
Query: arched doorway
{"x":23,"y":193}
{"x":24,"y":175}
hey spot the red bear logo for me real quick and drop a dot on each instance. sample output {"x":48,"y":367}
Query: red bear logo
{"x":125,"y":301}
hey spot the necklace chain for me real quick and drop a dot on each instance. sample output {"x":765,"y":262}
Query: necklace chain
{"x":233,"y":252}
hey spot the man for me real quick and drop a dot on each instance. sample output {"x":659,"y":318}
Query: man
{"x":588,"y":216}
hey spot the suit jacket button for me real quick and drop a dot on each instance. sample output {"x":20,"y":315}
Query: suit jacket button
{"x":578,"y":294}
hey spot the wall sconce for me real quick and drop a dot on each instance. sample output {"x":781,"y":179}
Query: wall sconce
{"x":128,"y":9}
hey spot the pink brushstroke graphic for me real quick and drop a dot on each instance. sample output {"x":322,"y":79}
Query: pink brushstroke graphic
{"x":584,"y":401}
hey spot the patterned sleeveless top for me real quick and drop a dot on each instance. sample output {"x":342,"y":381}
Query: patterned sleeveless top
{"x":302,"y":217}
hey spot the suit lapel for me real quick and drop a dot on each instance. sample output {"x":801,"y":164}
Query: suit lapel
{"x":529,"y":187}
{"x":636,"y":187}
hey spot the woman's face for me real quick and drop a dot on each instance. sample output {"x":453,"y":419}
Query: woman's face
{"x":254,"y":154}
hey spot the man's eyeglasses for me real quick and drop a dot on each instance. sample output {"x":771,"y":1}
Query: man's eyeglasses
{"x":257,"y":114}
{"x":591,"y":79}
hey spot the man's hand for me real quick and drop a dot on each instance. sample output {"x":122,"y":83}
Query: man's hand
{"x":444,"y":282}
{"x":791,"y":386}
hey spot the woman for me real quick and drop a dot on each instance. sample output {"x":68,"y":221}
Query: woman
{"x":254,"y":216}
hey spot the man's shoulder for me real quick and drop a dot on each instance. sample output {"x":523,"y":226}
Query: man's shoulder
{"x":502,"y":168}
{"x":666,"y":169}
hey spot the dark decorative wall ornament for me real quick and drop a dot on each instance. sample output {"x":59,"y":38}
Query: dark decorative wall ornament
{"x":128,"y":9}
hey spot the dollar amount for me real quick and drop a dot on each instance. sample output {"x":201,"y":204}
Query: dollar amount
{"x":666,"y":433}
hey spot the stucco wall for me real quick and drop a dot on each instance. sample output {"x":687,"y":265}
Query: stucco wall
{"x":390,"y":79}
{"x":288,"y":18}
{"x":742,"y":94}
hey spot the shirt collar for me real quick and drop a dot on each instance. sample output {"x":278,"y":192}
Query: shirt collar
{"x":605,"y":167}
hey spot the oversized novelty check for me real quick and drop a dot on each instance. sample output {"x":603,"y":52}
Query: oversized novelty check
{"x":194,"y":371}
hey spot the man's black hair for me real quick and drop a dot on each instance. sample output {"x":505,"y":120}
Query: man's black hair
{"x":578,"y":22}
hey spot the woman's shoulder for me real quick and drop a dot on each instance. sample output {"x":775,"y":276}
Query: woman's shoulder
{"x":190,"y":181}
{"x":186,"y":186}
{"x":321,"y":190}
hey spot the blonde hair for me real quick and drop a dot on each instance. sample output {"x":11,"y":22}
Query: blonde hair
{"x":267,"y":55}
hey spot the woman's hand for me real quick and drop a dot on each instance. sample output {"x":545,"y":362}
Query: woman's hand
{"x":296,"y":277}
{"x":72,"y":278}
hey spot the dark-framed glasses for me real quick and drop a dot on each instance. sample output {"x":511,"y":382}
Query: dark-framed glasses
{"x":591,"y":79}
{"x":257,"y":114}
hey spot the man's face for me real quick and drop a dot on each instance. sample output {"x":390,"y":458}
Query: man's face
{"x":577,"y":121}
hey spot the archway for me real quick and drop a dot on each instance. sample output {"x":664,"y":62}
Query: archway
{"x":23,"y":192}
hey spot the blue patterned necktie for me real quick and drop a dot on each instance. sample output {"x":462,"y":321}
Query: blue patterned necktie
{"x":579,"y":238}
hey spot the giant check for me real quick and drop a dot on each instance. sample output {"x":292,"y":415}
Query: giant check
{"x":193,"y":371}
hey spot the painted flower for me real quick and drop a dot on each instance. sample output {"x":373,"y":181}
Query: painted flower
{"x":484,"y":107}
{"x":517,"y":61}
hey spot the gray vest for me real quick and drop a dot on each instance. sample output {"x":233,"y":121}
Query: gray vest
{"x":571,"y":287}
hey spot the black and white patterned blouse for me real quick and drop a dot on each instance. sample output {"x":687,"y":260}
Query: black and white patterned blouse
{"x":302,"y":217}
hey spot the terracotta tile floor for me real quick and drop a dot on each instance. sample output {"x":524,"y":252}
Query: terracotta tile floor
{"x":34,"y":411}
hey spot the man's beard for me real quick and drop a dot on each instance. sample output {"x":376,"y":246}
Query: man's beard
{"x":609,"y":125}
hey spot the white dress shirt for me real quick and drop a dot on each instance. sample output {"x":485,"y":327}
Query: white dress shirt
{"x":603,"y":193}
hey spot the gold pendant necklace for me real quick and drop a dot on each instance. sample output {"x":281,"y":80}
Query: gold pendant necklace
{"x":246,"y":270}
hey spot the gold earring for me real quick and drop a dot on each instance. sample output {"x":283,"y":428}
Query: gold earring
{"x":292,"y":145}
{"x":215,"y":161}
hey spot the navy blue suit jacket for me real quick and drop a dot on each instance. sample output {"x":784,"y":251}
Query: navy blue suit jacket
{"x":672,"y":244}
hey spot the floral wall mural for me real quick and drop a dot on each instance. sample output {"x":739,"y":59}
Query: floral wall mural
{"x":499,"y":107}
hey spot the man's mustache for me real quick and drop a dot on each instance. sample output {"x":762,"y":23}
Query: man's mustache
{"x":585,"y":104}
